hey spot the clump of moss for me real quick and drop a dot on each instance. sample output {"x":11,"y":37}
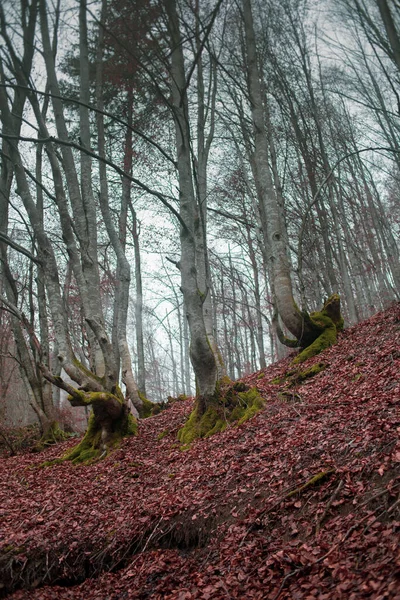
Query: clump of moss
{"x":299,"y":376}
{"x":358,"y":376}
{"x":277,"y":380}
{"x":235,"y":406}
{"x":93,"y":447}
{"x":147,"y":407}
{"x":327,"y":337}
{"x":320,"y":331}
{"x":52,"y":435}
{"x":180,"y":398}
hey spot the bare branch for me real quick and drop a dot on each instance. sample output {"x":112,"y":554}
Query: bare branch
{"x":137,"y":182}
{"x":6,"y":240}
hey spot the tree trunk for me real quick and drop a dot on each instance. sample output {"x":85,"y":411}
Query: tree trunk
{"x":201,"y":353}
{"x":304,"y":327}
{"x":117,"y":241}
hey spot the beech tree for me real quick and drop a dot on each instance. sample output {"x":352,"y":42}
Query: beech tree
{"x":196,"y":85}
{"x":317,"y":330}
{"x":73,"y":186}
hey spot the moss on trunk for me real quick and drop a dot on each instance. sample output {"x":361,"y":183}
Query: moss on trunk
{"x":235,"y":405}
{"x":109,"y":422}
{"x":322,"y":328}
{"x":147,"y":409}
{"x":325,"y":327}
{"x":319,"y":330}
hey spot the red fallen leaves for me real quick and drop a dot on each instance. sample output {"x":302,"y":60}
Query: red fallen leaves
{"x":217,"y":521}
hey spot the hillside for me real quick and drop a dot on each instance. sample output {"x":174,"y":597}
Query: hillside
{"x":300,"y":502}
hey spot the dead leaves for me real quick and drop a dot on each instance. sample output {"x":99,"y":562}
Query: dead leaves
{"x":219,"y":520}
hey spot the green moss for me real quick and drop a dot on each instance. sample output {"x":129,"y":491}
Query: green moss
{"x":50,"y":463}
{"x":311,"y":482}
{"x":53,"y":435}
{"x":87,"y":371}
{"x":92,"y":447}
{"x":277,"y":380}
{"x":340,"y":324}
{"x":235,"y":407}
{"x":173,"y":399}
{"x":308,"y":373}
{"x":163,"y":434}
{"x":358,"y":376}
{"x":252,"y":404}
{"x":327,"y":337}
{"x":200,"y":426}
{"x":132,"y":427}
{"x":147,"y":408}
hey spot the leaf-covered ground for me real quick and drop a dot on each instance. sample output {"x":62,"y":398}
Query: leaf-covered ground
{"x":300,"y":502}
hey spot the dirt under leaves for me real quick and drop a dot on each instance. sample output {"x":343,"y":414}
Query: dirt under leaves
{"x":300,"y":502}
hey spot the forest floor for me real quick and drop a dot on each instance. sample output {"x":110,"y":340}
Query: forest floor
{"x":300,"y":502}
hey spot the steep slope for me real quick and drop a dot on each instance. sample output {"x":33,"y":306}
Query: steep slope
{"x":302,"y":501}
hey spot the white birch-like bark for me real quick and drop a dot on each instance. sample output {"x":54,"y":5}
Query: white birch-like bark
{"x":278,"y":262}
{"x":82,"y":201}
{"x":205,"y":112}
{"x":202,"y":356}
{"x":118,"y":244}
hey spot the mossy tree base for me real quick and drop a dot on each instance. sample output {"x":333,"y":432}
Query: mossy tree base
{"x":109,"y":422}
{"x":52,"y":435}
{"x":327,"y":337}
{"x":211,"y":415}
{"x":96,"y":443}
{"x":319,"y":330}
{"x":147,"y":409}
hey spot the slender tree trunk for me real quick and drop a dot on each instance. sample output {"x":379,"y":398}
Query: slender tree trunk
{"x":202,"y":356}
{"x":117,"y":241}
{"x":141,"y":372}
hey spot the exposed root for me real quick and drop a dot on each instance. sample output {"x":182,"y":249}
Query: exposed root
{"x":311,"y":482}
{"x":67,"y":567}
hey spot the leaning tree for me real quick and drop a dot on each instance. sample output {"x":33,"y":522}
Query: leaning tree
{"x":314,"y":331}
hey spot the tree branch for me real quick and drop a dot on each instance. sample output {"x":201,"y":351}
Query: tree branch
{"x":6,"y":240}
{"x":116,"y":168}
{"x":96,"y":110}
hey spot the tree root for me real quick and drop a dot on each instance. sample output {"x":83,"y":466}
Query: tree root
{"x":311,"y":482}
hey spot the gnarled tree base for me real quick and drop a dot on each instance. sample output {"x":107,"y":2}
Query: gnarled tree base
{"x":92,"y":447}
{"x":101,"y":437}
{"x":52,"y":435}
{"x":109,"y":422}
{"x":319,"y":330}
{"x":210,"y":415}
{"x":325,"y":327}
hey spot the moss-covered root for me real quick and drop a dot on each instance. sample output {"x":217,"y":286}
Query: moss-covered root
{"x":147,"y":409}
{"x":327,"y":337}
{"x":234,"y":407}
{"x":94,"y":445}
{"x":52,"y":435}
{"x":325,"y":324}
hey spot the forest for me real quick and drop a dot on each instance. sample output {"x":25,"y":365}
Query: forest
{"x":198,"y":205}
{"x":182,"y":185}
